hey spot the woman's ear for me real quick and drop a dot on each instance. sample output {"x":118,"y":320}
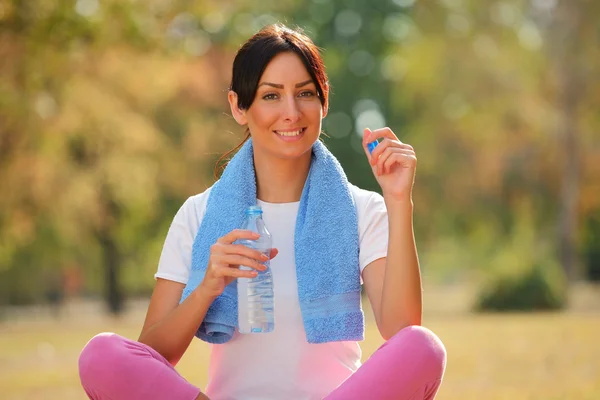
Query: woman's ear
{"x":238,"y":113}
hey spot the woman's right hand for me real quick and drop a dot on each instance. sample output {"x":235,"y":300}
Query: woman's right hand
{"x":226,"y":258}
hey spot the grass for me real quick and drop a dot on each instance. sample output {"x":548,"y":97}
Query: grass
{"x":491,"y":356}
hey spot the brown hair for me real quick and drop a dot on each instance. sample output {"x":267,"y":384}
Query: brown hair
{"x":252,"y":59}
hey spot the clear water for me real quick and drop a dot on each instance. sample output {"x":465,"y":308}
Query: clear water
{"x":255,"y":302}
{"x":256,"y":313}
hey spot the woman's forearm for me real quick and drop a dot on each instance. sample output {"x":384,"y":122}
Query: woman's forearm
{"x":173,"y":334}
{"x":401,"y":301}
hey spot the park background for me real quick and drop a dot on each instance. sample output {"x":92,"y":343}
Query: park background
{"x":113,"y":112}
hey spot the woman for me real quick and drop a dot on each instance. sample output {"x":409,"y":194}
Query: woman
{"x":280,"y":92}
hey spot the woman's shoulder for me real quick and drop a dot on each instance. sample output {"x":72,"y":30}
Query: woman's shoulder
{"x":364,"y":195}
{"x":194,"y":207}
{"x":366,"y":199}
{"x":200,"y":199}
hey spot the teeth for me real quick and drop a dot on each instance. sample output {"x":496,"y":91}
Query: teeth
{"x":290,"y":133}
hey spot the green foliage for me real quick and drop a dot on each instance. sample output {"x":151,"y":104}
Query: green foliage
{"x":522,"y":273}
{"x":539,"y":287}
{"x":591,"y":250}
{"x":112,"y":112}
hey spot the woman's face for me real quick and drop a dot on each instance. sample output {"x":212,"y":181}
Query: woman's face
{"x":285,"y":117}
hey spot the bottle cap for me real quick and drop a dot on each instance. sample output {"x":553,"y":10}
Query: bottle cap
{"x":253,"y":210}
{"x":371,"y":146}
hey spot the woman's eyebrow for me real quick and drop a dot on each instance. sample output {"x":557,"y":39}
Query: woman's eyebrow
{"x":304,"y":83}
{"x":280,"y":86}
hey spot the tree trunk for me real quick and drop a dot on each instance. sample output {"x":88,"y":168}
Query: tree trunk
{"x":569,"y":74}
{"x":112,"y":265}
{"x":112,"y":257}
{"x":569,"y":195}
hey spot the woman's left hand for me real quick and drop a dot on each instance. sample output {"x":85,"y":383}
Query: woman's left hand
{"x":393,"y":163}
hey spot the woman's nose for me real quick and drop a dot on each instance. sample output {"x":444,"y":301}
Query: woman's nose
{"x":292,"y":110}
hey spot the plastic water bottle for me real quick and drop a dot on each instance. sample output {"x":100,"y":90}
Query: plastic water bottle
{"x":256,"y":312}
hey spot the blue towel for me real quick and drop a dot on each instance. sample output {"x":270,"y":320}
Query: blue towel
{"x":326,"y":247}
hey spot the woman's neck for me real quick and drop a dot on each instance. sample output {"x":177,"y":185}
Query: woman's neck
{"x":281,"y":180}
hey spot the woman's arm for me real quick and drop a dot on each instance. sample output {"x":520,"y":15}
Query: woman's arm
{"x":393,"y":284}
{"x":169,"y":326}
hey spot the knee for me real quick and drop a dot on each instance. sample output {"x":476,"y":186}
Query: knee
{"x":98,"y":357}
{"x":426,"y":350}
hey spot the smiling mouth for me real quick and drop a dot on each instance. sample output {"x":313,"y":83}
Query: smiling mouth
{"x":288,"y":133}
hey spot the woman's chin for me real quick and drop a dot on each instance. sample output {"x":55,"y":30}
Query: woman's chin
{"x":291,"y":151}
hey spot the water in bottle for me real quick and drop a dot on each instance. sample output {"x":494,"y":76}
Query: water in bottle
{"x":255,"y":296}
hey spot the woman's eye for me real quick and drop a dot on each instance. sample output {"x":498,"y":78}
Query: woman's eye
{"x":274,"y":96}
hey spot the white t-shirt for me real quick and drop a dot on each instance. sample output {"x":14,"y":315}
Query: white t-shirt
{"x":278,"y":365}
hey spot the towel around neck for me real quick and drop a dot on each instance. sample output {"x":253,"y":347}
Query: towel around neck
{"x":326,"y":248}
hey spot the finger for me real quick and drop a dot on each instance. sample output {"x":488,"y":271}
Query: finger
{"x":381,"y":160}
{"x":385,"y":156}
{"x":235,"y":273}
{"x":234,"y":261}
{"x":366,"y":133}
{"x":246,"y":251}
{"x":381,"y":147}
{"x":403,"y":158}
{"x":382,"y":133}
{"x":366,"y":144}
{"x":384,"y":145}
{"x":274,"y":252}
{"x":238,"y":234}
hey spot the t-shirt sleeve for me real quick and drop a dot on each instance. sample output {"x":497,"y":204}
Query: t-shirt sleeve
{"x":176,"y":257}
{"x":373,"y":230}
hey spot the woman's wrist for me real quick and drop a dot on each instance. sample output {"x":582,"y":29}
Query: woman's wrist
{"x":203,"y":295}
{"x":404,"y":204}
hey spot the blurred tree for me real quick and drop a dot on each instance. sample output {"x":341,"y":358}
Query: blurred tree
{"x":87,"y":149}
{"x":111,"y":113}
{"x":572,"y":48}
{"x":496,"y":93}
{"x":475,"y":86}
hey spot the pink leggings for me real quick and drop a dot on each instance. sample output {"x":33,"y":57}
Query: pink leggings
{"x":409,"y":366}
